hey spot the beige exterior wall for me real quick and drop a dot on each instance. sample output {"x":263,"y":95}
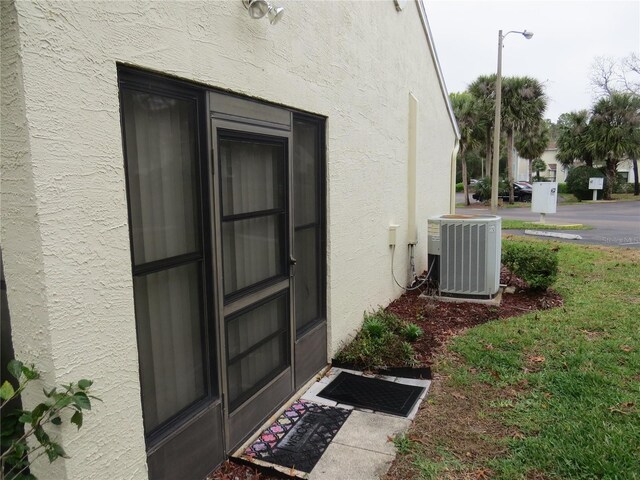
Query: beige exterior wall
{"x":626,"y":166}
{"x":65,"y":234}
{"x":549,"y":157}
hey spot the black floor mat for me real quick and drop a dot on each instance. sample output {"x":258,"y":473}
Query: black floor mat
{"x":372,"y":393}
{"x":299,"y":437}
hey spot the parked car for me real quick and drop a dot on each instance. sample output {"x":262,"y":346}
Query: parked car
{"x":522,"y":192}
{"x":522,"y":183}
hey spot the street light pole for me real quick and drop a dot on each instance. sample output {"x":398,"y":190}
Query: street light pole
{"x":496,"y":131}
{"x":496,"y":124}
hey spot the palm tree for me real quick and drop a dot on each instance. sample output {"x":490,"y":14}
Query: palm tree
{"x":573,"y":138}
{"x":614,"y":132}
{"x":465,"y":108}
{"x":483,"y":90}
{"x":538,"y":165}
{"x":523,"y":106}
{"x":532,"y":143}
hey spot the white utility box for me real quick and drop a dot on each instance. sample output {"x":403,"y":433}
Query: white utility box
{"x":544,"y":198}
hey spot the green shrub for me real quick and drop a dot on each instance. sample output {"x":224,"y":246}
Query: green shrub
{"x":535,"y":264}
{"x":379,"y":344}
{"x":374,"y":327}
{"x":563,"y":188}
{"x":412,"y":332}
{"x":459,"y":187}
{"x":622,"y":186}
{"x":24,"y":432}
{"x":483,"y":188}
{"x":578,"y":182}
{"x":408,"y":354}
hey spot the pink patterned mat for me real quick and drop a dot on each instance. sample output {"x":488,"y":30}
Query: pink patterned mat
{"x":299,"y":437}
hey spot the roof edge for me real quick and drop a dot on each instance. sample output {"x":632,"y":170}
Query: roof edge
{"x":434,"y":55}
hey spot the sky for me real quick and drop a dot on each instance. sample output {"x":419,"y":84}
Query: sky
{"x":568,"y":35}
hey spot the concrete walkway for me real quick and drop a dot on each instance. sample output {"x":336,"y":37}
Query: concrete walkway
{"x":362,"y":449}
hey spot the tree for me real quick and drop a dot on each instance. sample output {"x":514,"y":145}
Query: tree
{"x":465,"y":109}
{"x":538,"y":165}
{"x":573,"y":138}
{"x":614,"y":132}
{"x":523,"y":106}
{"x":532,"y":143}
{"x":483,"y":90}
{"x":609,"y":75}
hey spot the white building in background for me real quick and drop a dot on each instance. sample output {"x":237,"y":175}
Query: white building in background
{"x":195,"y":207}
{"x":625,"y":169}
{"x":555,"y":172}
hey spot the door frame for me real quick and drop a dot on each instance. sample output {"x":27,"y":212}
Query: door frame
{"x":166,"y":454}
{"x":254,"y":121}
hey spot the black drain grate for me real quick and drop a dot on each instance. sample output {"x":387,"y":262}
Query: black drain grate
{"x":372,"y":393}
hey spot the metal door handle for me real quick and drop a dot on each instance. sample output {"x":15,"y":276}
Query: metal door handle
{"x":292,"y":266}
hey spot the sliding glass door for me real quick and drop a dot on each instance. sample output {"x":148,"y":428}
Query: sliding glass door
{"x":171,"y":265}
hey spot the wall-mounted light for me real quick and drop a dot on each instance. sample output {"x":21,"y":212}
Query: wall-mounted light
{"x":259,"y":8}
{"x":400,"y":4}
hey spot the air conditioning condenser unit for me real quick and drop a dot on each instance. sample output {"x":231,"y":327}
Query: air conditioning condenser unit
{"x":465,"y":251}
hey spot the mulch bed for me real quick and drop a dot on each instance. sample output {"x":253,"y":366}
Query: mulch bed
{"x":233,"y":471}
{"x":442,"y":320}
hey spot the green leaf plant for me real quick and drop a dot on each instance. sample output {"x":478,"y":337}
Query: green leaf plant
{"x":20,"y":427}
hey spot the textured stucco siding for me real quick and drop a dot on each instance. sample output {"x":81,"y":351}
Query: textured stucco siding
{"x":64,"y":213}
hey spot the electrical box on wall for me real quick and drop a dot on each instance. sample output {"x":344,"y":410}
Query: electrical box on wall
{"x":433,"y":238}
{"x":393,"y":229}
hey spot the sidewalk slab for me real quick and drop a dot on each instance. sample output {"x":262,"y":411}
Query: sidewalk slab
{"x":342,"y":462}
{"x":371,"y":431}
{"x":363,"y":448}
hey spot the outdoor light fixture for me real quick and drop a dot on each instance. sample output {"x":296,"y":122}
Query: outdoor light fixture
{"x":275,"y":14}
{"x":496,"y":124}
{"x":259,"y":8}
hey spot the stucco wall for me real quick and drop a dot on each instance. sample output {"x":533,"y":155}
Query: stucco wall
{"x":64,"y":229}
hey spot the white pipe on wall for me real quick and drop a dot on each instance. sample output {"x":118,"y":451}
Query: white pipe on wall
{"x":412,"y":236}
{"x":454,"y":156}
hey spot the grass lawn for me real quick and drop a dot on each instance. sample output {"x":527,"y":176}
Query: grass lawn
{"x":618,"y":197}
{"x":523,"y":225}
{"x":551,"y":394}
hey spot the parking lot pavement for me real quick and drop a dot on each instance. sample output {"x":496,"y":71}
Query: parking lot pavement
{"x":614,"y":223}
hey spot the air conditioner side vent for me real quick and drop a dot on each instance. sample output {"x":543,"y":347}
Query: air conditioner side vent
{"x":470,"y":249}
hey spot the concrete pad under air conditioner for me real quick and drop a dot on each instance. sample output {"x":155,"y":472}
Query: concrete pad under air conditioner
{"x":496,"y":300}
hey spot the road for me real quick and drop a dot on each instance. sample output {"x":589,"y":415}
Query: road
{"x":615,"y":223}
